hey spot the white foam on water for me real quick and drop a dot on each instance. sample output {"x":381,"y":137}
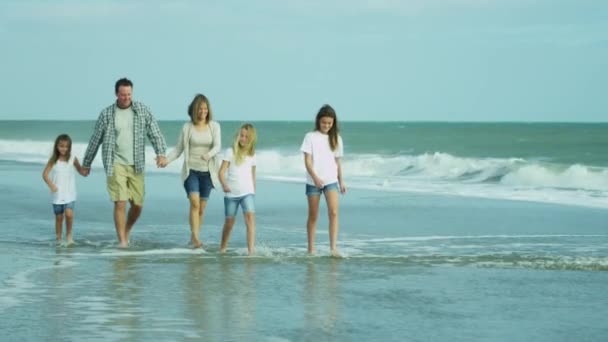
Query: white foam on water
{"x":436,"y":173}
{"x":126,"y":252}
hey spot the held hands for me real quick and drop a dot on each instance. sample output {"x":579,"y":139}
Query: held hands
{"x":85,"y":171}
{"x":161,"y":161}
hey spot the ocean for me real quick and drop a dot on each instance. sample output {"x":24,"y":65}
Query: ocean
{"x":449,"y":232}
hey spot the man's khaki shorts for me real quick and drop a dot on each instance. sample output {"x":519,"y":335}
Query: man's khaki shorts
{"x":125,"y":185}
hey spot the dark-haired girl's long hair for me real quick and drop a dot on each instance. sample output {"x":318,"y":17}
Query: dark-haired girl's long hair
{"x":55,"y":156}
{"x":328,"y":111}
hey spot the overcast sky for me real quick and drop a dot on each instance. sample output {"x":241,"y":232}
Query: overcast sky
{"x":437,"y":60}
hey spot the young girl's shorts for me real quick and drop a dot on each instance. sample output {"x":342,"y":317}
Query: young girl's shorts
{"x":198,"y":182}
{"x":312,"y":190}
{"x":231,"y":205}
{"x":60,"y":208}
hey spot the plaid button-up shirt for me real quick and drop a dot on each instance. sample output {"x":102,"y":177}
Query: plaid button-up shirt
{"x":144,"y":125}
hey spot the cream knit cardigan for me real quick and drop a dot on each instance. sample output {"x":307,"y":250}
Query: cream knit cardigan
{"x":183,"y":146}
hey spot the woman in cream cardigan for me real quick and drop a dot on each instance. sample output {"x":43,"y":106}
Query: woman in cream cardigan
{"x":200,"y":141}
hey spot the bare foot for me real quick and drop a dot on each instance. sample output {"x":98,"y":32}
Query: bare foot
{"x":123,"y":245}
{"x":335,"y":254}
{"x":223,"y":250}
{"x":196,"y":244}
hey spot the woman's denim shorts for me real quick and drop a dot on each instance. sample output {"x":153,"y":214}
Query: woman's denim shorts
{"x":231,"y":204}
{"x":199,"y":182}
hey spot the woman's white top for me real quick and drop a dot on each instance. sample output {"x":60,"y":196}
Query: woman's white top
{"x":63,"y":175}
{"x":239,"y":178}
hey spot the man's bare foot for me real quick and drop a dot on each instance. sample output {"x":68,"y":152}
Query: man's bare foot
{"x":223,"y":250}
{"x":123,"y":245}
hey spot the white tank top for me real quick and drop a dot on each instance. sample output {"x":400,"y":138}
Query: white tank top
{"x":63,"y":176}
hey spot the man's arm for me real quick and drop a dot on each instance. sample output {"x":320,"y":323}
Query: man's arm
{"x":95,"y":141}
{"x":155,"y":135}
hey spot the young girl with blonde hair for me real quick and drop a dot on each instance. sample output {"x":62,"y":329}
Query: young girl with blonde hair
{"x":237,"y":175}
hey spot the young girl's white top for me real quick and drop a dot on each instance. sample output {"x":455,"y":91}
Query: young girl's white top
{"x":63,"y":175}
{"x":323,"y":158}
{"x":238,"y":177}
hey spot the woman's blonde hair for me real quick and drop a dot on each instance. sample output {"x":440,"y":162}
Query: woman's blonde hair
{"x":240,"y":152}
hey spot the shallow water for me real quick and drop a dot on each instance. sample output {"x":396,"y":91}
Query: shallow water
{"x":415,"y":267}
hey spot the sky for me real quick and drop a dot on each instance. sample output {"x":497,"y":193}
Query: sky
{"x":372,"y":60}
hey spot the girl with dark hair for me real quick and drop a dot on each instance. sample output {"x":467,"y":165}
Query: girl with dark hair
{"x":322,"y":150}
{"x":59,"y":176}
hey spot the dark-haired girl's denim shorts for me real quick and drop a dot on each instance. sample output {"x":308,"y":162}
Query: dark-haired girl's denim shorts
{"x":312,"y":190}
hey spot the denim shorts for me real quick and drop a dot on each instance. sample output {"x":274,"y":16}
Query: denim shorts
{"x":59,"y":209}
{"x":231,"y":204}
{"x":312,"y":190}
{"x":199,"y":182}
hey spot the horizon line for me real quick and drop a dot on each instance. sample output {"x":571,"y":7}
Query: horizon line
{"x":341,"y":121}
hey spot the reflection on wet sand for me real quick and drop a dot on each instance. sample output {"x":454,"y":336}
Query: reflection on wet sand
{"x":125,"y":287}
{"x":197,"y":295}
{"x":219,"y":297}
{"x":320,"y":299}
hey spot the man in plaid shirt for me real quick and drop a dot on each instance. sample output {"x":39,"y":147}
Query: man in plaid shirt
{"x":121,"y":128}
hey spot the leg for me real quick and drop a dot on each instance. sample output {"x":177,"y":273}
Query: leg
{"x":250,"y":222}
{"x":69,"y":220}
{"x":135,"y":191}
{"x":120,"y":222}
{"x":201,"y":213}
{"x":311,"y":223}
{"x":231,"y":206}
{"x":204,"y":188}
{"x":331,"y":197}
{"x":194,"y":219}
{"x":118,"y":189}
{"x":58,"y":226}
{"x":133,"y":215}
{"x":228,"y":224}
